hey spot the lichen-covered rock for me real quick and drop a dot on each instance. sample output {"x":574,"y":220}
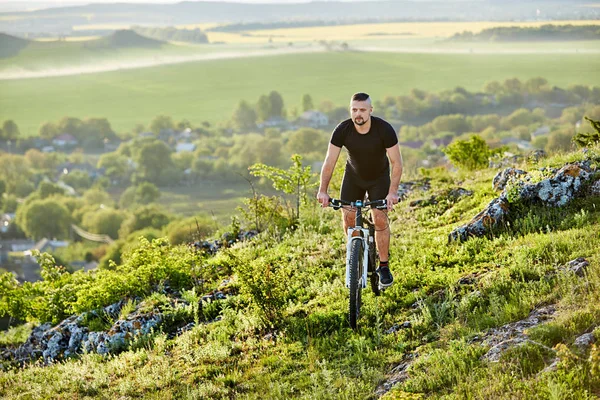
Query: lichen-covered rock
{"x":557,"y":190}
{"x":536,"y":155}
{"x":578,"y":266}
{"x":501,"y":179}
{"x":595,"y":188}
{"x":486,"y":221}
{"x":405,"y":188}
{"x":584,"y":341}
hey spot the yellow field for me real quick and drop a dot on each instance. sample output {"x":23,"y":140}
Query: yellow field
{"x":366,"y":31}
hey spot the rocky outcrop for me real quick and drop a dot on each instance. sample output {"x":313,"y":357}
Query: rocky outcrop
{"x":557,"y":190}
{"x":227,"y":239}
{"x":406,"y":188}
{"x":450,"y":195}
{"x":73,"y":336}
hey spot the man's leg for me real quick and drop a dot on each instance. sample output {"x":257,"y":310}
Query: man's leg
{"x":378,"y":191}
{"x":348,"y":219}
{"x":382,"y":234}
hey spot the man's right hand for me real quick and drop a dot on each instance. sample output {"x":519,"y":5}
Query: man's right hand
{"x":323,"y":198}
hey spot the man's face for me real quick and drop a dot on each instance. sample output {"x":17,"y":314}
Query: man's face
{"x":360,"y":111}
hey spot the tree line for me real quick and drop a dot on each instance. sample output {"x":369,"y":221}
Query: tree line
{"x":546,"y":32}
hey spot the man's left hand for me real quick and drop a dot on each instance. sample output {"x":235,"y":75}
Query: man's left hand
{"x":392,"y":199}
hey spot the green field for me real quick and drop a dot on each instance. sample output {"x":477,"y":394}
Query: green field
{"x":210,"y":90}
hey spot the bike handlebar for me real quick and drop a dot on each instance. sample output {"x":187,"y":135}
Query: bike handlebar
{"x":338,"y":203}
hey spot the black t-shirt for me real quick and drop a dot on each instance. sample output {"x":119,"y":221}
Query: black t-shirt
{"x":366,"y":152}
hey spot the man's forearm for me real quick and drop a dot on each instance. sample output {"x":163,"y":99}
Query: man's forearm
{"x":395,"y":178}
{"x":326,"y":173}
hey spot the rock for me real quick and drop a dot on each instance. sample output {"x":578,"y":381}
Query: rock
{"x":494,"y":215}
{"x":501,"y":179}
{"x":536,"y":155}
{"x":513,"y":334}
{"x":578,"y":266}
{"x":406,"y":188}
{"x":595,"y":188}
{"x":584,"y":341}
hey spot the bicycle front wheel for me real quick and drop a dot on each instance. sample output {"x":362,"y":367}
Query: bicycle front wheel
{"x":356,"y":262}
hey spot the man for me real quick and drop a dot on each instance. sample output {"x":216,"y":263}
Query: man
{"x":368,"y":140}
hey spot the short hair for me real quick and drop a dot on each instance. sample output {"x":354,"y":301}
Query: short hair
{"x":360,"y":97}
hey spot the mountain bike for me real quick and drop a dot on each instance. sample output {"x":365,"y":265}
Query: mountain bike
{"x":361,"y":254}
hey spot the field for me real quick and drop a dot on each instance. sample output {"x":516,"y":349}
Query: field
{"x":210,"y":90}
{"x":361,"y":31}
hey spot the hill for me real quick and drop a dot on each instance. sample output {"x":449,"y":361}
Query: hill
{"x":11,"y":45}
{"x":512,"y":314}
{"x":124,"y":39}
{"x":63,"y":19}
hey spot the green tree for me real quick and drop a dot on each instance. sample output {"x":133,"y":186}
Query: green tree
{"x":161,"y":123}
{"x":71,"y":126}
{"x":10,"y":130}
{"x":276,"y":104}
{"x":469,"y":154}
{"x":149,"y":216}
{"x":78,"y":180}
{"x":153,"y":158}
{"x":2,"y":190}
{"x":48,"y":130}
{"x":560,"y":140}
{"x":116,"y":166}
{"x":306,"y":140}
{"x":97,"y":196}
{"x":263,"y":108}
{"x":307,"y":103}
{"x":44,"y":218}
{"x":456,"y":123}
{"x":106,"y":221}
{"x":14,"y":171}
{"x":296,"y":180}
{"x":244,"y":116}
{"x":146,"y":193}
{"x":47,"y":189}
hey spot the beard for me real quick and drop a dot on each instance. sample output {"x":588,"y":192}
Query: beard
{"x":362,"y":121}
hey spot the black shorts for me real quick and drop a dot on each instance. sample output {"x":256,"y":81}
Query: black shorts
{"x":354,"y":187}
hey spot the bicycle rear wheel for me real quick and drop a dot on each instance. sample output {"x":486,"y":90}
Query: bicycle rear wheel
{"x":356,"y":261}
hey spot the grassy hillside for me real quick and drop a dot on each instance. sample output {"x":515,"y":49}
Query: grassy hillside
{"x":281,"y":331}
{"x":210,"y":90}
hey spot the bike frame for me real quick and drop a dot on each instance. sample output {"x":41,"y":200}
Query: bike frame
{"x":359,"y":232}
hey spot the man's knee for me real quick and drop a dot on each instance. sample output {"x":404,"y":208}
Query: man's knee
{"x":380,"y":219}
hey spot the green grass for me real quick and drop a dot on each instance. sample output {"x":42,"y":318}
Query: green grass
{"x":210,"y":90}
{"x":283,"y":331}
{"x":211,"y":198}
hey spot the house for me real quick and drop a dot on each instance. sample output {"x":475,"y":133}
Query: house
{"x":181,"y":147}
{"x":84,"y":265}
{"x":521,"y":144}
{"x":273,"y":122}
{"x":313,"y":119}
{"x":65,"y":140}
{"x":542,"y":130}
{"x":47,"y":245}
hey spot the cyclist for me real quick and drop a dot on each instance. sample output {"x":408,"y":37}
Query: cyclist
{"x":368,"y":140}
